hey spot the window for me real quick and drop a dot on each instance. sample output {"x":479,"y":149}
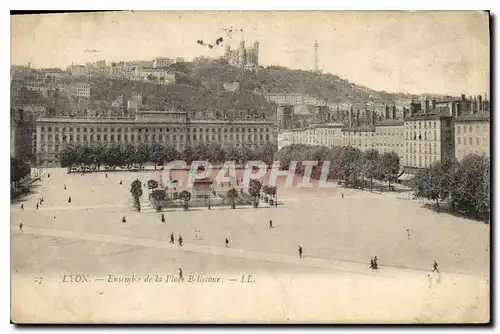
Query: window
{"x":70,"y":129}
{"x":458,"y":129}
{"x":105,"y":137}
{"x":459,"y":140}
{"x":50,"y":129}
{"x":470,"y":140}
{"x":112,"y":137}
{"x":98,"y":137}
{"x":85,"y":137}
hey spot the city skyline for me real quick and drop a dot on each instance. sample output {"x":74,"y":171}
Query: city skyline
{"x":452,"y":47}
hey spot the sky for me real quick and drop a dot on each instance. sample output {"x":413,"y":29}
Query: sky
{"x":410,"y":52}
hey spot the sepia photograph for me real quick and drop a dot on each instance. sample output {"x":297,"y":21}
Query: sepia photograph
{"x":250,"y":167}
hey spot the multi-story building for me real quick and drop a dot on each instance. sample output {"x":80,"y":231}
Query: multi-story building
{"x":156,"y":75}
{"x":247,"y":58}
{"x":472,"y":135}
{"x":360,"y":137}
{"x":168,"y":127}
{"x":82,"y":90}
{"x":21,"y":129}
{"x":428,"y":138}
{"x":162,"y":62}
{"x":77,"y":70}
{"x":390,"y":136}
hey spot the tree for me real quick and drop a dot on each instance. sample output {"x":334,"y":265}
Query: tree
{"x":141,"y":154}
{"x":68,"y":157}
{"x":156,"y":197}
{"x":232,"y":195}
{"x":348,"y":165}
{"x":469,"y":183}
{"x":216,"y":153}
{"x":188,"y":155}
{"x":156,"y":154}
{"x":389,"y":167}
{"x":371,"y":165}
{"x":254,"y":190}
{"x":18,"y":171}
{"x":152,"y":184}
{"x":231,"y":153}
{"x":186,"y":196}
{"x":170,"y":154}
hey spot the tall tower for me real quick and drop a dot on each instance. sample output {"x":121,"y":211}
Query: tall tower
{"x":316,"y":48}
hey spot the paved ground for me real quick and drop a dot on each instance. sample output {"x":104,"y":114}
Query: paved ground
{"x":338,"y":237}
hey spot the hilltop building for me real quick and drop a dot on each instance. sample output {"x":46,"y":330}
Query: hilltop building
{"x":247,"y":58}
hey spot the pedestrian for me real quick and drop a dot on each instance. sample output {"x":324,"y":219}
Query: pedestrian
{"x":227,"y":242}
{"x":408,"y":232}
{"x":435,"y":267}
{"x":120,"y":182}
{"x":22,"y":207}
{"x":180,"y":240}
{"x":41,"y":200}
{"x":37,"y":206}
{"x":171,"y":238}
{"x":64,"y":187}
{"x":375,"y":262}
{"x":162,"y":218}
{"x":181,"y":277}
{"x":124,"y":220}
{"x":270,"y":223}
{"x":372,"y":265}
{"x":300,"y":251}
{"x":430,"y":280}
{"x":69,"y":199}
{"x":209,"y":206}
{"x":342,"y":195}
{"x":21,"y":226}
{"x":106,"y":175}
{"x":48,"y":175}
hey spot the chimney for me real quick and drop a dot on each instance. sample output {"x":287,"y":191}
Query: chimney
{"x":386,"y":112}
{"x":393,"y":112}
{"x":404,"y":112}
{"x":426,"y":106}
{"x":357,"y":118}
{"x":480,"y":102}
{"x":433,"y":103}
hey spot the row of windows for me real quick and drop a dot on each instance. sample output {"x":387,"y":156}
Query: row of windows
{"x":153,"y":137}
{"x":414,"y":136}
{"x":469,"y":140}
{"x":421,"y":124}
{"x":119,"y":129}
{"x":464,"y":127}
{"x":425,"y":162}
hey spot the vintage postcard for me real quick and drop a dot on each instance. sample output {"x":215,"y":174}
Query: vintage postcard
{"x":250,"y":167}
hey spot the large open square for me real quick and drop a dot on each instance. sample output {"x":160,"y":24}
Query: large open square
{"x":332,"y":282}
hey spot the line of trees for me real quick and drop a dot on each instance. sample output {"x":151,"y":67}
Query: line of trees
{"x":18,"y":171}
{"x":354,"y":167}
{"x":464,"y":185}
{"x":158,"y":154}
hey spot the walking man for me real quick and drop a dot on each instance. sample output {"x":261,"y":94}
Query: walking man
{"x":435,"y":267}
{"x":120,"y":182}
{"x":408,"y":231}
{"x":300,"y":251}
{"x":270,"y":223}
{"x":342,"y":195}
{"x":172,"y":238}
{"x":180,"y":240}
{"x":37,"y":206}
{"x":64,"y":187}
{"x":69,"y":199}
{"x":181,"y":277}
{"x":227,"y":242}
{"x":22,"y":207}
{"x":21,"y":226}
{"x":124,"y":220}
{"x":162,"y":218}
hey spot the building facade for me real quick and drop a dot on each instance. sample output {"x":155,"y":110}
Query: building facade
{"x":21,"y":135}
{"x":390,"y":136}
{"x":472,"y":135}
{"x":428,"y":139}
{"x":82,"y":90}
{"x":247,"y":58}
{"x":166,"y":127}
